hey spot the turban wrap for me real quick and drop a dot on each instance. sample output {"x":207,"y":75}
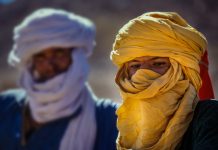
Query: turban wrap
{"x":149,"y":99}
{"x":164,"y":35}
{"x":47,"y":28}
{"x":206,"y":90}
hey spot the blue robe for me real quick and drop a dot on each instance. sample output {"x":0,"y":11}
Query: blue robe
{"x":48,"y":137}
{"x":202,"y":133}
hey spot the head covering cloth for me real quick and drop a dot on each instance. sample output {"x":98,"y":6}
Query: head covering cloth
{"x":164,"y":35}
{"x":47,"y":28}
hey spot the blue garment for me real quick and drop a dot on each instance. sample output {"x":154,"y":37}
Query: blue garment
{"x":48,"y":137}
{"x":202,"y":133}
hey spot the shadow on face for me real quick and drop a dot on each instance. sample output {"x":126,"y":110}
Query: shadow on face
{"x":50,"y":62}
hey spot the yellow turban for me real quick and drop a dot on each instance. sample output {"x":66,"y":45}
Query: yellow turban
{"x":163,"y":34}
{"x":157,"y":109}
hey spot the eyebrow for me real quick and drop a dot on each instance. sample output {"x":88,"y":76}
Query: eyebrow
{"x":155,"y":58}
{"x":135,"y":60}
{"x":38,"y":55}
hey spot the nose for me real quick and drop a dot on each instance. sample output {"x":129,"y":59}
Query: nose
{"x":48,"y":66}
{"x":50,"y":61}
{"x":145,"y":66}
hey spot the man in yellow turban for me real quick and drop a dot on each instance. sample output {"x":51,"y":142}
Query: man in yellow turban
{"x":158,"y":55}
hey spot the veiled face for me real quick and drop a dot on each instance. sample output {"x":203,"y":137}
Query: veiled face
{"x":157,"y":64}
{"x":50,"y":63}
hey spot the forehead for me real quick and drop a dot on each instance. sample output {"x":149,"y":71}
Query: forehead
{"x":148,"y":58}
{"x":52,"y":50}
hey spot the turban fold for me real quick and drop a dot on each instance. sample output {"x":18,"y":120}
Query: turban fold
{"x":206,"y":90}
{"x":163,"y":34}
{"x":47,"y":28}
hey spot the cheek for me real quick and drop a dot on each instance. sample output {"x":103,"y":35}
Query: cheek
{"x":161,"y":70}
{"x":63,"y":64}
{"x":42,"y":68}
{"x":132,"y":71}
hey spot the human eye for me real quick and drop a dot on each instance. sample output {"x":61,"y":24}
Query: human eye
{"x":134,"y":65}
{"x":159,"y":64}
{"x":39,"y":58}
{"x":59,"y":54}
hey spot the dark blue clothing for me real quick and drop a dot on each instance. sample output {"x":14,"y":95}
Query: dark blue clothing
{"x":202,"y":133}
{"x":48,"y":136}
